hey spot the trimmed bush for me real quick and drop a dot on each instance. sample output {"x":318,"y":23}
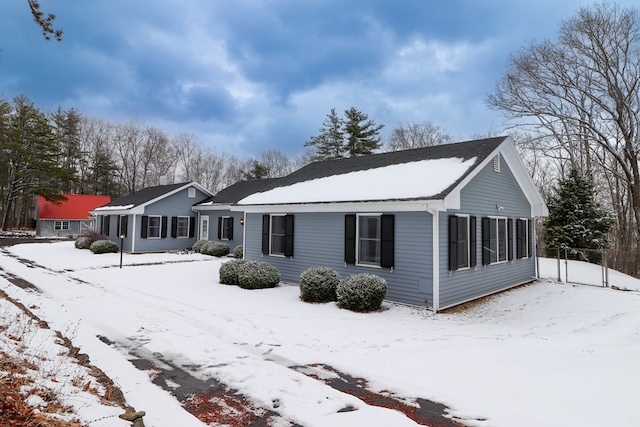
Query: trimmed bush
{"x":229,"y":271}
{"x":104,"y":246}
{"x":216,"y":249}
{"x":318,"y":284}
{"x":258,"y":275}
{"x":82,"y":242}
{"x":85,"y":240}
{"x":197,"y":246}
{"x":361,"y":292}
{"x":238,"y":251}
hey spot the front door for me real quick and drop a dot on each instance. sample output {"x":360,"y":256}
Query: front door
{"x":204,"y":227}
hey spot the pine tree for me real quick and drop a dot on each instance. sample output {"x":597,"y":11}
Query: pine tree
{"x":575,"y":219}
{"x":329,"y":143}
{"x":363,"y":135}
{"x":31,"y":152}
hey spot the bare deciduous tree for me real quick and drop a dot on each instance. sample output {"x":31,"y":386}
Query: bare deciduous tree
{"x":416,"y":135}
{"x":582,"y":91}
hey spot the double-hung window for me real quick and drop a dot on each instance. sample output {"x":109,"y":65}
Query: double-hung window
{"x":277,"y":235}
{"x":225,"y":228}
{"x":61,"y":225}
{"x":153,"y":226}
{"x":524,"y":231}
{"x":497,"y":240}
{"x":182,"y":227}
{"x":369,"y":240}
{"x":368,"y":236}
{"x":462,"y":242}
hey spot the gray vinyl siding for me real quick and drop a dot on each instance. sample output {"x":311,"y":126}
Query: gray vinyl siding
{"x":178,"y":204}
{"x":213,"y":226}
{"x":479,"y":198}
{"x":46,"y":228}
{"x":319,"y":241}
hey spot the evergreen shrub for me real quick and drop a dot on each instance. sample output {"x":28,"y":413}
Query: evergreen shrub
{"x":104,"y":246}
{"x":197,"y":246}
{"x":258,"y":275}
{"x":318,"y":284}
{"x":238,"y":251}
{"x":361,"y":292}
{"x":229,"y":271}
{"x":85,"y":239}
{"x":217,"y":249}
{"x":82,"y":242}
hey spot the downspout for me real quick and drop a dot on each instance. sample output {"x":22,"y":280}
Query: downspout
{"x":244,"y":234}
{"x":534,"y":245}
{"x":435,"y":240}
{"x":133,"y":233}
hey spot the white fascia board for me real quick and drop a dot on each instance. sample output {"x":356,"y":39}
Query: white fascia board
{"x":385,"y":206}
{"x":212,"y":207}
{"x":510,"y":155}
{"x":193,"y":183}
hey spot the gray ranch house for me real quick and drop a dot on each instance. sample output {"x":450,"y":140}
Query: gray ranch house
{"x":154,"y":219}
{"x":442,"y":225}
{"x":216,"y":219}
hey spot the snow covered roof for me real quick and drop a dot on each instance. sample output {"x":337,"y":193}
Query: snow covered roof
{"x":428,"y":173}
{"x":238,"y":191}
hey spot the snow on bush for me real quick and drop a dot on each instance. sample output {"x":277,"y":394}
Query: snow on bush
{"x":258,"y":275}
{"x":197,"y":246}
{"x":85,"y":240}
{"x":318,"y":284}
{"x":361,"y":292}
{"x":229,"y":271}
{"x":238,"y":251}
{"x":104,"y":246}
{"x":82,"y":242}
{"x":217,"y":249}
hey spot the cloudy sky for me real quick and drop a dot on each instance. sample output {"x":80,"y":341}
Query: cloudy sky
{"x":248,"y":75}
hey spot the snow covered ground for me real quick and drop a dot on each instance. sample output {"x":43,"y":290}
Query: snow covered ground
{"x":547,"y":354}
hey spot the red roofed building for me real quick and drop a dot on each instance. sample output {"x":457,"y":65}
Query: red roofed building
{"x":68,"y":218}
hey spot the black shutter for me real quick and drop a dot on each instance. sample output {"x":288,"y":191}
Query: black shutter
{"x":230,"y":228}
{"x":350,"y":239}
{"x":174,"y":226}
{"x":119,"y":220}
{"x":519,"y":239}
{"x":219,"y":228}
{"x":530,"y":239}
{"x":486,"y":241}
{"x":288,"y":235}
{"x":387,"y":241}
{"x":107,"y":222}
{"x":192,"y":227}
{"x":453,"y":242}
{"x":125,"y":223}
{"x":144,"y":227}
{"x":265,"y":234}
{"x":510,"y":239}
{"x":472,"y":242}
{"x":163,"y":233}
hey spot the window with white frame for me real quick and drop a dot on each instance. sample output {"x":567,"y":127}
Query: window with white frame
{"x":368,"y":236}
{"x":495,"y":240}
{"x":226,"y":228}
{"x":153,"y":226}
{"x":182,"y":226}
{"x":61,"y":225}
{"x":191,"y":193}
{"x":462,"y":241}
{"x":524,"y":230}
{"x":277,"y":235}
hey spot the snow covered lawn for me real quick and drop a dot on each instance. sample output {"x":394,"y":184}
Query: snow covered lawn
{"x":547,"y":354}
